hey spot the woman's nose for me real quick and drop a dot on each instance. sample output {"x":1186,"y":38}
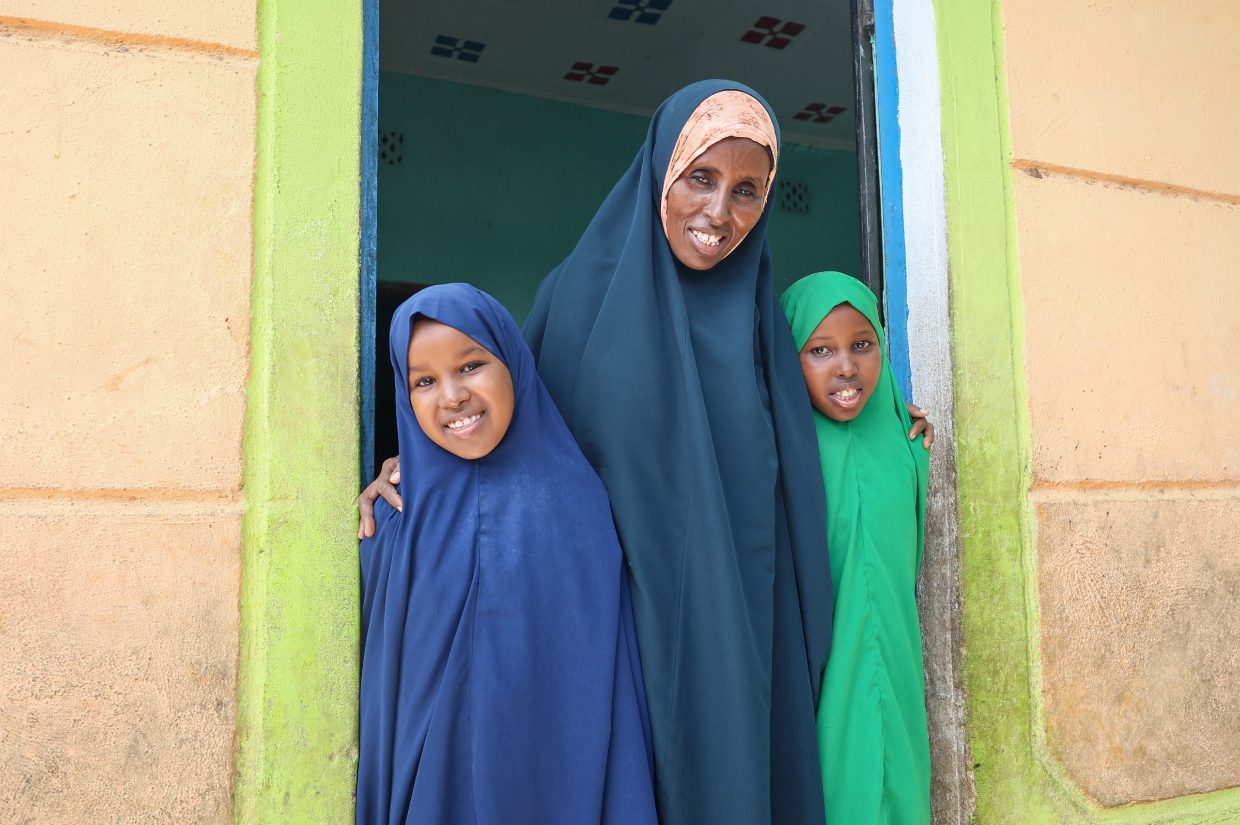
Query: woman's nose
{"x":717,"y":207}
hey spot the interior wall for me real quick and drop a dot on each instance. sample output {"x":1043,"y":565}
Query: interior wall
{"x":495,"y":188}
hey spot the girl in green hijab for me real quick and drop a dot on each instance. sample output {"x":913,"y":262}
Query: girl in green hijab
{"x":872,"y":734}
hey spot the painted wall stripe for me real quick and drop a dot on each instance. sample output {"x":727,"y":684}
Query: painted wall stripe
{"x":368,"y":291}
{"x":297,"y":687}
{"x":891,"y":185}
{"x":928,"y":343}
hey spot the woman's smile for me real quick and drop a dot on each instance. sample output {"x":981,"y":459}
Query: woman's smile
{"x":716,"y":202}
{"x":707,"y":239}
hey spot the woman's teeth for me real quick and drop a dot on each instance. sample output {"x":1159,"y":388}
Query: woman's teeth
{"x":709,"y":240}
{"x":464,"y":422}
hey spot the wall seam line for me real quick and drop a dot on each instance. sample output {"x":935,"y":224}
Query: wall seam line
{"x":50,"y":28}
{"x":1041,"y":169}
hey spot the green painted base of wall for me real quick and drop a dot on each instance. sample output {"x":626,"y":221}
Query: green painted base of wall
{"x":1016,"y":778}
{"x":296,"y":729}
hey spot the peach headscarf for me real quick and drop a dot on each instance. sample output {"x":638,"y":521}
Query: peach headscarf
{"x":723,"y":115}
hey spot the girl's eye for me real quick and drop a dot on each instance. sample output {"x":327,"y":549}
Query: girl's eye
{"x":820,"y":351}
{"x":471,"y":366}
{"x":423,"y":382}
{"x":863,"y":345}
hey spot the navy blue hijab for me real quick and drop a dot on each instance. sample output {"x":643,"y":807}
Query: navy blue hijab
{"x":500,"y":680}
{"x":684,"y":390}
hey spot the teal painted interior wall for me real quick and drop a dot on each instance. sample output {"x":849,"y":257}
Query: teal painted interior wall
{"x":494,"y":188}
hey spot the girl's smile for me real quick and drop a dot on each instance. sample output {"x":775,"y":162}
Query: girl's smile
{"x":841,"y":363}
{"x":461,"y":394}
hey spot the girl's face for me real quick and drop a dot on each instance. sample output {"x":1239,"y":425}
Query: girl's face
{"x":842,"y":363}
{"x":718,"y":199}
{"x":460,"y":392}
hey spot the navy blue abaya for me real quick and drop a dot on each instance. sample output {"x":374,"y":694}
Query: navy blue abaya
{"x":685,"y":392}
{"x":500,"y":678}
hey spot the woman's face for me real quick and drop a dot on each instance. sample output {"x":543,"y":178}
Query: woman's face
{"x":842,"y":363}
{"x":718,"y":199}
{"x":460,"y":392}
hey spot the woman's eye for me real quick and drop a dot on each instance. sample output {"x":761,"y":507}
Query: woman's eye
{"x":423,"y":382}
{"x":698,"y":177}
{"x":746,"y":192}
{"x":471,"y":366}
{"x":863,"y":345}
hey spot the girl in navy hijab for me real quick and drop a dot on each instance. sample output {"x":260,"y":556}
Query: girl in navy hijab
{"x":500,"y":679}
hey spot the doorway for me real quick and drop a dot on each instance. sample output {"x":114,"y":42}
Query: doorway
{"x":503,"y":125}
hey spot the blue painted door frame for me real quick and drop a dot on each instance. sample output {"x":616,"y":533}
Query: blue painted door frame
{"x":368,"y":289}
{"x":891,"y":189}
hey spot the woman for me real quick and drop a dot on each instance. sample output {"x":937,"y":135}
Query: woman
{"x":661,"y":341}
{"x":500,"y":681}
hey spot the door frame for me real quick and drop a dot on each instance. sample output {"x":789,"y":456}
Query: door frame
{"x":312,"y":339}
{"x":296,"y":735}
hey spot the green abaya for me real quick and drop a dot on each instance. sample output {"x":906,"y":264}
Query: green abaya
{"x":872,"y":734}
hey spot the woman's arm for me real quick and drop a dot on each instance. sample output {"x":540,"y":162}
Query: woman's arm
{"x":921,"y":424}
{"x":384,"y":485}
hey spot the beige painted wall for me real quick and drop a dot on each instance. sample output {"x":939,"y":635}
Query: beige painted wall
{"x":127,"y":144}
{"x":1125,"y":119}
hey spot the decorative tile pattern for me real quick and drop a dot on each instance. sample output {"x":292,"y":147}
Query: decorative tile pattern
{"x":639,"y":11}
{"x":819,"y":113}
{"x":794,"y":197}
{"x":588,"y":72}
{"x":772,"y":32}
{"x":392,"y":148}
{"x":468,"y":50}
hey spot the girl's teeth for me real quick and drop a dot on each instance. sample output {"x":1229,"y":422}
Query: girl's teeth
{"x":464,"y":422}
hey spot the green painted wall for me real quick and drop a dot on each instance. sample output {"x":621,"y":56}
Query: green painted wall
{"x":296,"y":722}
{"x":1017,"y":780}
{"x":494,"y":188}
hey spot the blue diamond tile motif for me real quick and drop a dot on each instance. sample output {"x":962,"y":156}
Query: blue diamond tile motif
{"x":639,"y":11}
{"x":453,"y":47}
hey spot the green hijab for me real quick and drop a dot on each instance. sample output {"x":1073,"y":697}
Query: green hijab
{"x":861,"y":459}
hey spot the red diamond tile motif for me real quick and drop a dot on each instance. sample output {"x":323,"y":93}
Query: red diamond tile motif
{"x":772,"y":32}
{"x":589,"y":73}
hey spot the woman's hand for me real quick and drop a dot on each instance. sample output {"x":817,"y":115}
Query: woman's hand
{"x":384,"y":485}
{"x":921,"y":425}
